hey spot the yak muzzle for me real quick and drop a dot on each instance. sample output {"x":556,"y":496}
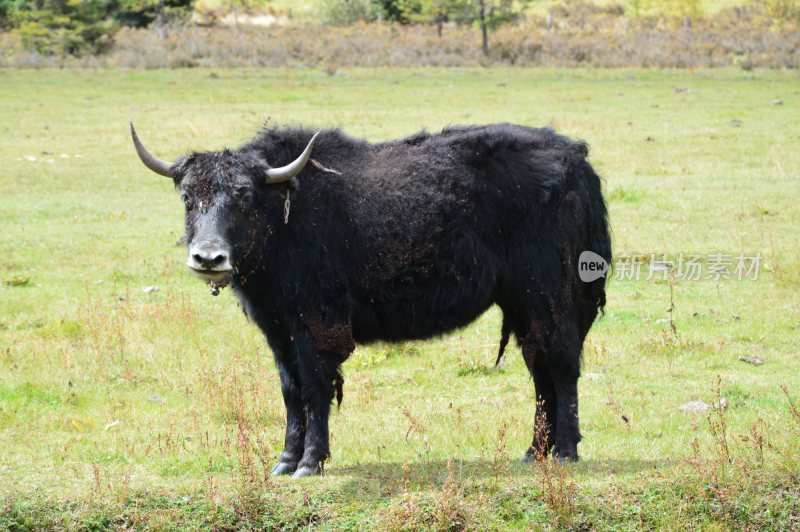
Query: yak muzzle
{"x":209,"y":260}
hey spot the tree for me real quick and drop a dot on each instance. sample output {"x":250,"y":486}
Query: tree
{"x":487,"y":15}
{"x":441,"y":11}
{"x":401,"y":11}
{"x":491,"y":14}
{"x":344,"y":12}
{"x":79,"y":27}
{"x":142,"y":13}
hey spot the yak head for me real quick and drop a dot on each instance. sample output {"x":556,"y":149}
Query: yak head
{"x":220,"y":192}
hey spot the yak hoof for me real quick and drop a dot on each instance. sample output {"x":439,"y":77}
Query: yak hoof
{"x":565,"y":458}
{"x":282,"y":468}
{"x":528,"y":458}
{"x":305,"y":472}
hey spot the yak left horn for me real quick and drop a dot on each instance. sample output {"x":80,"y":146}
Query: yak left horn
{"x":285,"y":173}
{"x":152,"y":162}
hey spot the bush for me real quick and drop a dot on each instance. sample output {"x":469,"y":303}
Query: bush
{"x":783,"y":10}
{"x":344,"y":12}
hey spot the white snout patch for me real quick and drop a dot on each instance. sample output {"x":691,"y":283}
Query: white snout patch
{"x":209,"y":275}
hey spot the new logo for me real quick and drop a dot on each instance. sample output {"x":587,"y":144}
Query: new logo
{"x":591,"y":266}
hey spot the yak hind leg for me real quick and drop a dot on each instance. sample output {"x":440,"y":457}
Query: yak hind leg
{"x":545,"y":424}
{"x":563,"y":366}
{"x":554,"y":363}
{"x":545,"y":420}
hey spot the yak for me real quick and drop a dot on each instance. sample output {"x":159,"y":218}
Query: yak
{"x":400,"y":240}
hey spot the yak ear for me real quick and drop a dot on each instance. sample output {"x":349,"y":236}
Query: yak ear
{"x":290,"y":171}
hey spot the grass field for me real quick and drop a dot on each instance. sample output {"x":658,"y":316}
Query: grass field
{"x":160,"y":409}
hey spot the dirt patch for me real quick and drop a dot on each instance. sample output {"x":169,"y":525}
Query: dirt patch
{"x":337,"y":338}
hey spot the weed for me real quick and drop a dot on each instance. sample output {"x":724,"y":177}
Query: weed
{"x":499,"y":458}
{"x":17,"y":280}
{"x":793,"y":409}
{"x":445,"y":509}
{"x":450,"y":511}
{"x":718,"y":426}
{"x":472,"y":366}
{"x":559,"y":492}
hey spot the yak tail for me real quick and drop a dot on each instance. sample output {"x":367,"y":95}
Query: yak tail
{"x":504,"y":336}
{"x":338,"y":383}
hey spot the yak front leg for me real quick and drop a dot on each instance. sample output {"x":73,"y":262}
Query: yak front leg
{"x":321,"y":381}
{"x":294,"y":442}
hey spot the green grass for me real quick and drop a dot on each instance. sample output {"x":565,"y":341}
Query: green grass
{"x":125,"y":408}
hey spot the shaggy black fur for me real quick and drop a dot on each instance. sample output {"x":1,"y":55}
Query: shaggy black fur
{"x":407,"y":240}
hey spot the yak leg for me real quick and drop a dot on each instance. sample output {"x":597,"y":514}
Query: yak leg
{"x":554,"y":364}
{"x":565,"y":381}
{"x":534,"y":352}
{"x":564,"y":371}
{"x":295,"y":422}
{"x":319,"y":374}
{"x":545,"y":424}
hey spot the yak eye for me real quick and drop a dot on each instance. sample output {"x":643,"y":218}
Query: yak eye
{"x":243,"y":196}
{"x":187,"y":201}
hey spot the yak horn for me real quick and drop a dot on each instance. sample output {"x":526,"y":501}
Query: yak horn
{"x":153,"y":163}
{"x":285,"y":173}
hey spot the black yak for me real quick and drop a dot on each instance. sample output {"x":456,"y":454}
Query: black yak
{"x":329,"y":241}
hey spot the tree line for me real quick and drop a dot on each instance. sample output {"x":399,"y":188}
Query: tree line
{"x":87,"y":27}
{"x":486,"y":15}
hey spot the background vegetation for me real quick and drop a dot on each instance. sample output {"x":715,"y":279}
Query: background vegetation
{"x":232,"y":33}
{"x":129,"y":397}
{"x":83,"y":27}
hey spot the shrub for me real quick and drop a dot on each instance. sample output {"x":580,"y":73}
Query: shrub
{"x":344,"y":12}
{"x":783,"y":10}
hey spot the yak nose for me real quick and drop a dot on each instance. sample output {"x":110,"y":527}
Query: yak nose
{"x":209,"y":256}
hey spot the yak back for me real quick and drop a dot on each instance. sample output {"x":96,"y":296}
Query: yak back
{"x":414,"y":237}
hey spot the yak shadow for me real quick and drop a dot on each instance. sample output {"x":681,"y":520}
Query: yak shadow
{"x":391,"y":478}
